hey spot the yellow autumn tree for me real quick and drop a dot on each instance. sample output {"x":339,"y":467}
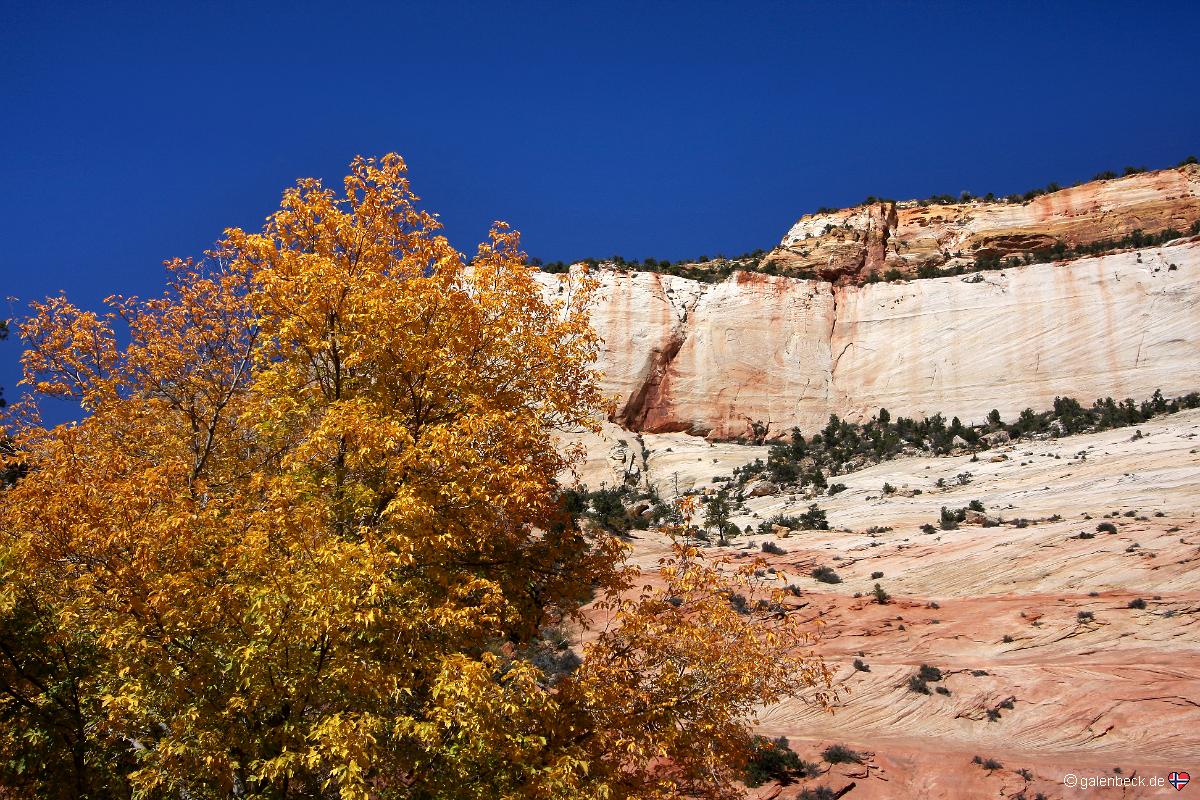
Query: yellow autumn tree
{"x":307,"y":540}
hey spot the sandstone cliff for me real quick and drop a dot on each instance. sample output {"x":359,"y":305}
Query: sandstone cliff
{"x":1061,"y":643}
{"x":849,"y":244}
{"x":711,"y":359}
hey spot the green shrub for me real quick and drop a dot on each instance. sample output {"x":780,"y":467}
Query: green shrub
{"x":928,"y":271}
{"x":825,"y":575}
{"x":949,"y":519}
{"x":840,"y":754}
{"x":775,"y":760}
{"x":814,"y":519}
{"x":931,"y":674}
{"x":915,"y":684}
{"x":817,"y":793}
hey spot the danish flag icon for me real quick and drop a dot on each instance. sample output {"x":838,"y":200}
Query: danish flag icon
{"x":1179,"y":780}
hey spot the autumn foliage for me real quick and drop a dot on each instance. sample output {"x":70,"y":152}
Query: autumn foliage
{"x":306,"y":540}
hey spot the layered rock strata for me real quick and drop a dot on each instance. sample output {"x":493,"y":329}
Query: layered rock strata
{"x":848,"y":245}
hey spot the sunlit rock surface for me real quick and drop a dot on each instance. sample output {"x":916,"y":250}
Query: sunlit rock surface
{"x":713,"y":359}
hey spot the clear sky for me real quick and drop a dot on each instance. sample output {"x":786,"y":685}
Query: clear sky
{"x":132,"y":134}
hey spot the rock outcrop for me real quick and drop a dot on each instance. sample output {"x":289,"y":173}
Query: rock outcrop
{"x":846,"y":246}
{"x":714,"y":359}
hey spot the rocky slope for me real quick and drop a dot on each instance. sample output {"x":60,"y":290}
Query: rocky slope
{"x":712,"y":359}
{"x":997,"y":610}
{"x":849,"y":244}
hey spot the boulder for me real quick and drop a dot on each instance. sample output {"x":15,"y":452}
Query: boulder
{"x":639,"y":508}
{"x":980,"y":518}
{"x":997,"y":438}
{"x":763,"y":488}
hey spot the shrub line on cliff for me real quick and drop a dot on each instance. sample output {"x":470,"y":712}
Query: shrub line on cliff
{"x":1059,"y":251}
{"x":705,"y":270}
{"x":846,"y":446}
{"x":801,"y":464}
{"x":1016,"y":197}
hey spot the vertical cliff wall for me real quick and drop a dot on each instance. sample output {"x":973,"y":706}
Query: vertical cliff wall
{"x":711,"y":359}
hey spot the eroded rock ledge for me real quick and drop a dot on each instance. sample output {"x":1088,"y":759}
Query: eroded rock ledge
{"x":848,"y":245}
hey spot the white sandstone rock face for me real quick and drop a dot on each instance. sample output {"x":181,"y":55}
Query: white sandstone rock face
{"x":712,"y":359}
{"x":613,"y":457}
{"x":677,"y":463}
{"x":1121,"y":325}
{"x":755,"y":349}
{"x":642,"y":318}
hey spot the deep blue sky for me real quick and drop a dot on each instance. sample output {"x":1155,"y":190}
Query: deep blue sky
{"x":133,"y":134}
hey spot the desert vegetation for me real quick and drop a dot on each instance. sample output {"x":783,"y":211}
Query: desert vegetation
{"x":775,"y":760}
{"x":703,"y":268}
{"x":1025,"y":197}
{"x":1062,"y":251}
{"x":844,"y":446}
{"x":840,"y":754}
{"x":825,"y":574}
